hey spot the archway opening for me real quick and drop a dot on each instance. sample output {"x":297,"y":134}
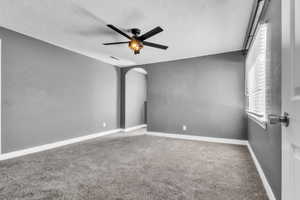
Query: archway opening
{"x":136,"y":98}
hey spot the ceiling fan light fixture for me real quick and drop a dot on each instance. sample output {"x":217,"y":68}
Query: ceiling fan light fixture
{"x":135,"y":45}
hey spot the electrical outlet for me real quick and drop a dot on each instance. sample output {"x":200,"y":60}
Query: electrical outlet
{"x":104,"y":124}
{"x":184,"y":127}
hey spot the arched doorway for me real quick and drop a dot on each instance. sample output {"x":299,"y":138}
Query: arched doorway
{"x":135,"y":98}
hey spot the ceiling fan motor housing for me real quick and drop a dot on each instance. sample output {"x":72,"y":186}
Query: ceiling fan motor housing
{"x":135,"y":31}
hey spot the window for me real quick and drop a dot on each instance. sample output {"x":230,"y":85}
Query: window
{"x":256,"y":77}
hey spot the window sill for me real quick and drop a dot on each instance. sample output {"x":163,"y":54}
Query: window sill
{"x":261,"y":123}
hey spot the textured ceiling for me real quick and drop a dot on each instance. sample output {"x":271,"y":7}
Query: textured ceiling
{"x":191,"y":27}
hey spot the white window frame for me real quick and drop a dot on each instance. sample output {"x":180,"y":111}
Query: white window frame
{"x":260,"y":66}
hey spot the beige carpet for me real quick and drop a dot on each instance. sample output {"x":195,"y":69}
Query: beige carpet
{"x":139,"y":167}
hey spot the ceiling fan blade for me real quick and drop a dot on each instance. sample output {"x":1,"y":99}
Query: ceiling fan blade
{"x":150,"y":33}
{"x":159,"y":46}
{"x":111,"y":43}
{"x":119,"y":31}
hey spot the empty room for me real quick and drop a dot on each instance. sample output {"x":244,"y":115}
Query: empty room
{"x":150,"y":100}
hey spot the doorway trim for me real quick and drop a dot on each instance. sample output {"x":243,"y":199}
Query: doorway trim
{"x":287,"y":57}
{"x":0,"y":96}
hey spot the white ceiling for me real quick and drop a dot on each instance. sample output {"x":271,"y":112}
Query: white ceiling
{"x":191,"y":27}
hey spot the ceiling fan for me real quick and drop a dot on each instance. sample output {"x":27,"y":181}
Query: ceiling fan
{"x":137,"y":41}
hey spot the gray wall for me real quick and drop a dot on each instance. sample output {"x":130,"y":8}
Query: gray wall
{"x":206,"y":94}
{"x":51,"y":94}
{"x":136,"y":93}
{"x":266,"y":144}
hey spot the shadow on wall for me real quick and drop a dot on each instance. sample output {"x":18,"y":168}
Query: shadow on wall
{"x":135,"y":97}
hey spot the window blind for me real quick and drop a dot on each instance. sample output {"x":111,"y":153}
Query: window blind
{"x":256,"y":70}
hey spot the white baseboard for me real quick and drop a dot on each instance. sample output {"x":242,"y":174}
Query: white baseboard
{"x":44,"y":147}
{"x":199,"y":138}
{"x":135,"y":128}
{"x":261,"y":174}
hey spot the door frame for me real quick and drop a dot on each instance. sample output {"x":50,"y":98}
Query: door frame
{"x":0,"y":96}
{"x":287,"y":51}
{"x":285,"y":31}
